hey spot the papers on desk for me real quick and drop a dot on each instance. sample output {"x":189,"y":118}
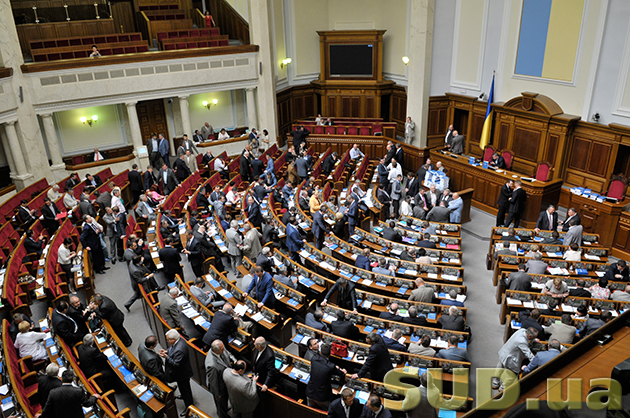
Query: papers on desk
{"x":258,"y":317}
{"x":199,"y":320}
{"x":155,"y":254}
{"x":512,"y":301}
{"x":306,"y":282}
{"x":329,"y":318}
{"x":515,"y":324}
{"x":449,"y":277}
{"x":4,"y":389}
{"x":600,"y":273}
{"x":413,"y":272}
{"x":240,"y":309}
{"x":304,"y":254}
{"x":223,"y":292}
{"x":558,"y":271}
{"x":528,"y":304}
{"x":190,"y":313}
{"x":362,"y":396}
{"x":439,"y":343}
{"x":432,"y":275}
{"x":592,"y":257}
{"x":540,"y":305}
{"x":181,"y":300}
{"x":549,"y":254}
{"x":567,"y":308}
{"x":461,"y":298}
{"x":300,"y":375}
{"x":366,"y":304}
{"x":538,"y":285}
{"x":325,"y":265}
{"x":367,"y":282}
{"x":109,"y":352}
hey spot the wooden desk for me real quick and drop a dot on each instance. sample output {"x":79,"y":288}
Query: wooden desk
{"x":600,"y":218}
{"x":487,"y":185}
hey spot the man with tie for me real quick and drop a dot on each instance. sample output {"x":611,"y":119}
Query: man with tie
{"x":25,"y":215}
{"x":294,"y":239}
{"x":153,"y":149}
{"x":178,"y":367}
{"x":97,"y":156}
{"x":353,"y":214}
{"x":49,"y":214}
{"x":346,"y":297}
{"x":164,"y":149}
{"x":92,"y":182}
{"x":547,"y":220}
{"x":149,"y":178}
{"x":571,"y":215}
{"x":383,"y":173}
{"x":253,"y":212}
{"x":65,"y":326}
{"x":181,"y":169}
{"x":383,"y":197}
{"x":448,"y":139}
{"x":504,"y":201}
{"x":135,"y":183}
{"x":412,"y":186}
{"x":197,"y":138}
{"x":217,"y":360}
{"x":92,"y":242}
{"x":193,"y":250}
{"x":168,"y":179}
{"x":262,"y":284}
{"x":187,"y":145}
{"x":145,"y":210}
{"x":346,"y":406}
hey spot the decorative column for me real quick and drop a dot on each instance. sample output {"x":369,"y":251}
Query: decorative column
{"x":7,"y":149}
{"x":185,"y":115}
{"x":252,"y":119}
{"x":261,"y":34}
{"x":134,"y":127}
{"x":419,"y":75}
{"x":58,"y":165}
{"x":21,"y":174}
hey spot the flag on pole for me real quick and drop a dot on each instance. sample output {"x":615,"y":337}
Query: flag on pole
{"x":487,"y":125}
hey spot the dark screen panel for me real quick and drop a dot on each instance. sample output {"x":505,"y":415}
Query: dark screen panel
{"x":351,"y":60}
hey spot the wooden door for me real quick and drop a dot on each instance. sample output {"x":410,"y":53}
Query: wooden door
{"x":152,"y":118}
{"x":123,"y":14}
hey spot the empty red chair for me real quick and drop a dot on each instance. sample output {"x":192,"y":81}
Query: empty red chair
{"x":123,"y":38}
{"x":377,"y":129}
{"x":364,"y":130}
{"x":318,"y":130}
{"x":508,"y":156}
{"x":118,"y":51}
{"x":63,"y":42}
{"x":135,"y":37}
{"x":202,"y":44}
{"x":203,"y":32}
{"x":214,"y":31}
{"x":353,"y":130}
{"x":341,"y":130}
{"x":75,"y":41}
{"x":50,"y":44}
{"x":87,"y":41}
{"x":100,"y":40}
{"x":130,"y":50}
{"x":213,"y":43}
{"x":169,"y":47}
{"x":37,"y":45}
{"x":543,"y":170}
{"x":194,"y":33}
{"x":40,"y":58}
{"x":181,"y":45}
{"x":81,"y":54}
{"x":159,"y":17}
{"x":182,"y":34}
{"x":191,"y":45}
{"x":617,"y":188}
{"x":223,"y":42}
{"x":142,"y":48}
{"x":54,"y":56}
{"x":106,"y":51}
{"x":330,"y":130}
{"x":172,"y":34}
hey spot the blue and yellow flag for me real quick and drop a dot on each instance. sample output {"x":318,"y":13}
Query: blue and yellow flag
{"x":487,"y":124}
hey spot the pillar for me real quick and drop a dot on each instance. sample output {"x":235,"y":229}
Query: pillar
{"x":21,"y":174}
{"x":261,"y":35}
{"x":58,"y":167}
{"x":252,"y":119}
{"x":136,"y":135}
{"x":185,"y":115}
{"x":7,"y":149}
{"x":419,"y":74}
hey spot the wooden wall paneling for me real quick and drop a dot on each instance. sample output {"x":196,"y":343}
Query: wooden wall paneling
{"x":152,"y":117}
{"x":48,"y":31}
{"x":579,"y":155}
{"x":370,"y":107}
{"x":551,"y":148}
{"x":504,"y":135}
{"x":599,"y":158}
{"x":526,"y":141}
{"x":621,"y":241}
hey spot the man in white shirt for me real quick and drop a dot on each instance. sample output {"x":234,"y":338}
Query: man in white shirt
{"x":117,"y":200}
{"x":394,"y":170}
{"x":53,"y":194}
{"x":69,"y":200}
{"x":355,"y":152}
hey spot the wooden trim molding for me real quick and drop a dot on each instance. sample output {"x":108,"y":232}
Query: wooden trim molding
{"x":100,"y":163}
{"x":6,"y":72}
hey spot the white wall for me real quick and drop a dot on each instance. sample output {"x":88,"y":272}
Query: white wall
{"x":220,"y":116}
{"x":76,"y":138}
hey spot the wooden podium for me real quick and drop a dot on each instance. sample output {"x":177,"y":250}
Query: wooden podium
{"x":598,"y":218}
{"x":352,"y":95}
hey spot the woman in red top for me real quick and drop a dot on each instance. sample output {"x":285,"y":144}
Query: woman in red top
{"x":209,"y":21}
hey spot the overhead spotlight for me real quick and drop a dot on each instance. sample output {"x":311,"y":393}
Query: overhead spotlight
{"x":285,"y":62}
{"x":405,"y":59}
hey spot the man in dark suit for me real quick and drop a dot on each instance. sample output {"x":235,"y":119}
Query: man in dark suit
{"x":264,"y":364}
{"x":299,"y":136}
{"x":105,"y":308}
{"x":458,"y":144}
{"x":49,"y":212}
{"x":65,"y":326}
{"x":517,"y":205}
{"x":503,"y":203}
{"x":170,"y":259}
{"x":319,"y":229}
{"x":31,"y":246}
{"x":391,"y":314}
{"x":151,"y":361}
{"x":393,"y":343}
{"x":73,"y":181}
{"x":426,"y":242}
{"x":202,"y":200}
{"x":262,"y":282}
{"x":347,"y":401}
{"x":453,"y":352}
{"x":149,"y":178}
{"x":383,"y":173}
{"x":363,"y":261}
{"x":318,"y":388}
{"x":92,"y":242}
{"x":547,"y":220}
{"x":414,"y":319}
{"x":346,"y":297}
{"x":67,"y":400}
{"x":378,"y":362}
{"x":452,"y":321}
{"x":140,"y":276}
{"x":294,"y":240}
{"x":391,"y":234}
{"x":93,"y":361}
{"x":164,"y":148}
{"x":344,"y":328}
{"x":47,"y":382}
{"x":254,"y":215}
{"x":25,"y":216}
{"x":153,"y":149}
{"x":329,"y":163}
{"x":195,"y":256}
{"x":301,"y":165}
{"x":519,"y":280}
{"x":413,"y":185}
{"x":618,"y":271}
{"x":178,"y":367}
{"x":571,"y":215}
{"x":579,"y":291}
{"x":92,"y":182}
{"x":391,"y":151}
{"x":181,"y":168}
{"x":258,"y":167}
{"x":497,"y":161}
{"x":168,"y":179}
{"x":244,"y":168}
{"x":223,"y":325}
{"x":78,"y":312}
{"x":399,"y":156}
{"x":385,"y":199}
{"x":530,"y":319}
{"x":352,"y":214}
{"x":135,"y":183}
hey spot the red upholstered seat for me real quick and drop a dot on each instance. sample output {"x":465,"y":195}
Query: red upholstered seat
{"x":50,"y":44}
{"x":213,"y":43}
{"x":508,"y":156}
{"x":169,"y":47}
{"x":377,"y":128}
{"x":173,"y":34}
{"x":117,"y":51}
{"x":364,"y":130}
{"x":142,"y":48}
{"x":53,"y":57}
{"x":488,"y":151}
{"x":223,"y":42}
{"x":193,"y":33}
{"x":617,"y":188}
{"x":112,"y":39}
{"x":341,"y":130}
{"x":123,"y":38}
{"x":40,"y":58}
{"x":203,"y":32}
{"x":75,"y":41}
{"x":330,"y":130}
{"x":106,"y":51}
{"x":202,"y":44}
{"x":318,"y":129}
{"x":100,"y":40}
{"x":543,"y":170}
{"x":130,"y":49}
{"x":135,"y":37}
{"x":63,"y":42}
{"x":181,"y":45}
{"x":191,"y":45}
{"x":37,"y":45}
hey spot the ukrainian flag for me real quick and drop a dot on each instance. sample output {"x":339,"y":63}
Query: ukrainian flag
{"x":487,"y":125}
{"x":549,"y":37}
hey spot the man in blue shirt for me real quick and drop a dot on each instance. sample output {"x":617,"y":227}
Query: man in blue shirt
{"x":543,"y":356}
{"x":452,"y":294}
{"x":393,"y":344}
{"x":452,"y":352}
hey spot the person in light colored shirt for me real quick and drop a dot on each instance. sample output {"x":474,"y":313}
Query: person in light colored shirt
{"x":29,"y":343}
{"x":394,"y":170}
{"x":69,"y":200}
{"x":600,"y":290}
{"x":53,"y":194}
{"x":117,"y":200}
{"x":223,"y":135}
{"x":622,"y":295}
{"x":574,"y":254}
{"x":355,"y":152}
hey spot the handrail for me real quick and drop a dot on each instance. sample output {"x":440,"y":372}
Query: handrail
{"x":198,"y":18}
{"x":145,"y":27}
